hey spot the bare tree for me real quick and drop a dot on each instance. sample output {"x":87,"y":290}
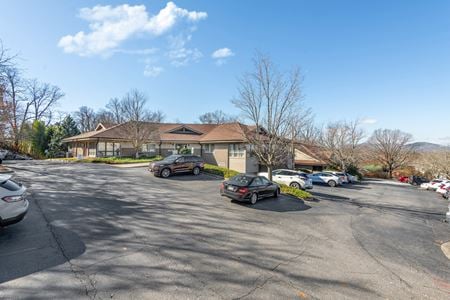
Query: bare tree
{"x":342,"y":140}
{"x":269,"y":99}
{"x":114,"y":106}
{"x":216,"y":117}
{"x":43,"y":97}
{"x":157,"y":116}
{"x":435,"y":164}
{"x":16,"y":106}
{"x":105,"y":117}
{"x":6,"y":59}
{"x":139,"y":123}
{"x":390,"y":148}
{"x":86,"y":119}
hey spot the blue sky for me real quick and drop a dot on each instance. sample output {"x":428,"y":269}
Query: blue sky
{"x":385,"y":62}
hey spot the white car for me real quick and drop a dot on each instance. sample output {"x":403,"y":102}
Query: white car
{"x":443,"y":187}
{"x":433,"y":184}
{"x":298,"y":180}
{"x":13,"y":205}
{"x":352,"y":178}
{"x":341,"y":175}
{"x":325,"y":178}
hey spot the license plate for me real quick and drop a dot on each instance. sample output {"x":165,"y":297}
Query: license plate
{"x":230,"y":188}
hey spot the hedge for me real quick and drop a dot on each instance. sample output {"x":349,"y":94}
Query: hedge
{"x":301,"y":194}
{"x":220,"y":171}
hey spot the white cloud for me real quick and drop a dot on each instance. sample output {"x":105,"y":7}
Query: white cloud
{"x":147,"y":51}
{"x":369,"y":121}
{"x":222,"y":53}
{"x":110,"y":26}
{"x":178,"y":54}
{"x":152,"y":71}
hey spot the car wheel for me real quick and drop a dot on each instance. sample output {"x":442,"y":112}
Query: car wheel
{"x":277,"y":193}
{"x":332,"y":183}
{"x":196,"y":171}
{"x":254,"y":198}
{"x":165,"y":173}
{"x":295,"y":185}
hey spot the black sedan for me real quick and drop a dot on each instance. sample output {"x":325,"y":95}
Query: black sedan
{"x":249,"y":188}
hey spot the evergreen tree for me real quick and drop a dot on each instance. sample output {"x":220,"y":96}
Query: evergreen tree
{"x":57,"y":133}
{"x":38,"y":138}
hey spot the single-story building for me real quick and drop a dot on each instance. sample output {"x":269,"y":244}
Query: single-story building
{"x":310,"y":157}
{"x":218,"y":144}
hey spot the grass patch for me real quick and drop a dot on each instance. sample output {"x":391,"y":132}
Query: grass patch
{"x":220,"y":171}
{"x":113,"y":160}
{"x":297,"y":193}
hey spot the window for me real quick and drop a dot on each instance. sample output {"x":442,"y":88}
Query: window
{"x":180,"y":160}
{"x":236,"y":150}
{"x":208,"y":148}
{"x":106,"y":149}
{"x":148,"y":147}
{"x":257,"y":182}
{"x":285,"y":173}
{"x":264,"y":180}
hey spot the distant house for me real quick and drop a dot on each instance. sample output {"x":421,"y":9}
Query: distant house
{"x":223,"y":145}
{"x":309,"y":157}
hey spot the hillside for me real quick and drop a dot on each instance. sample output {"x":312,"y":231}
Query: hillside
{"x":427,"y":147}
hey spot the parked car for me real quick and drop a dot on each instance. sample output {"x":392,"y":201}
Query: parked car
{"x":13,"y":203}
{"x":2,"y":155}
{"x":296,"y":179}
{"x":177,"y":163}
{"x":325,"y":178}
{"x":433,"y":184}
{"x":417,"y":180}
{"x":352,"y":178}
{"x":341,"y":175}
{"x":404,"y":179}
{"x":443,"y":187}
{"x":251,"y":188}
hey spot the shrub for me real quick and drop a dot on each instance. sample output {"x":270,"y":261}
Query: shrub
{"x":220,"y":171}
{"x":185,"y":151}
{"x":301,"y":194}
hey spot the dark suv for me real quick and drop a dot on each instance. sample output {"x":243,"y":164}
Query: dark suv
{"x":177,"y":164}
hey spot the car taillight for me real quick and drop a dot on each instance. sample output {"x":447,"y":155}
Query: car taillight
{"x":243,"y":190}
{"x":12,"y":198}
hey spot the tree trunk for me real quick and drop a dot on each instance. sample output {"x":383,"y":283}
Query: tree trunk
{"x":269,"y":172}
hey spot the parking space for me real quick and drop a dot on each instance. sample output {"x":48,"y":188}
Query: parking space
{"x":97,"y":231}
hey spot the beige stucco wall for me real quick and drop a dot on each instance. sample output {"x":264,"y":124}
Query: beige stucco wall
{"x":219,"y":157}
{"x":238,"y":164}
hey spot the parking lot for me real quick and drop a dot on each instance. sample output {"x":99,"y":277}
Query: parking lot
{"x":97,"y":231}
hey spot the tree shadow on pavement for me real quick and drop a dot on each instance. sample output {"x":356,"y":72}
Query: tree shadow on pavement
{"x":155,"y":241}
{"x":23,"y":254}
{"x":281,"y":204}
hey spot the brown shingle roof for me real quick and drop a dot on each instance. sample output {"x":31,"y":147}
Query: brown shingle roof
{"x":226,"y":132}
{"x":317,"y":156}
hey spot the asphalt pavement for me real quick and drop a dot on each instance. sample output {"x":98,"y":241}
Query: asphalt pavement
{"x":101,"y":232}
